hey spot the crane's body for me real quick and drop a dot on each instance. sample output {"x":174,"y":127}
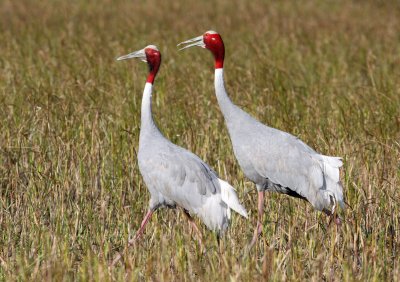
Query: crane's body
{"x":175,"y":176}
{"x":274,"y":160}
{"x":278,"y":161}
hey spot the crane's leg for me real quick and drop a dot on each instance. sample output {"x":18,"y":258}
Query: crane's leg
{"x":194,"y":226}
{"x":260,"y":207}
{"x":141,"y":229}
{"x":139,"y":233}
{"x":336,"y":219}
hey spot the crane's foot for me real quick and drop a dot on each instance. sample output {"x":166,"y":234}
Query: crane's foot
{"x":115,"y":260}
{"x":135,"y":238}
{"x":132,"y":241}
{"x":260,"y":208}
{"x":198,"y":234}
{"x":194,"y":227}
{"x":336,"y":219}
{"x":139,"y":233}
{"x":256,"y":235}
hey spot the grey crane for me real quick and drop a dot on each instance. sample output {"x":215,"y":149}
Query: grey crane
{"x":274,"y":160}
{"x":173,"y":175}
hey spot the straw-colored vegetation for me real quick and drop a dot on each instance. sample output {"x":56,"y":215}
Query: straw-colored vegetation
{"x":70,"y":190}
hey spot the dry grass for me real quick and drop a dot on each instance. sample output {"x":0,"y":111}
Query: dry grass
{"x":71,"y":192}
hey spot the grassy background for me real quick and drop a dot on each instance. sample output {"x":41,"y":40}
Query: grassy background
{"x":71,"y":192}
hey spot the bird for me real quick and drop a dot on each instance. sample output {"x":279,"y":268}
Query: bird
{"x":174,"y":176}
{"x":274,"y":160}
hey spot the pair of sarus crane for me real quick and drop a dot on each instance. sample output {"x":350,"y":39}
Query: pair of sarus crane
{"x":274,"y":160}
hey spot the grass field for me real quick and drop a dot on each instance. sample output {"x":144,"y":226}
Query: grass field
{"x":71,"y":193}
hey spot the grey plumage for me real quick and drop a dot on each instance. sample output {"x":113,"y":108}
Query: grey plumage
{"x":278,"y":161}
{"x":274,"y":160}
{"x":173,"y":175}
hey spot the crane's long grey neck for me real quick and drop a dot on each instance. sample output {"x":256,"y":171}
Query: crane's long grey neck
{"x":147,"y":123}
{"x":225,"y":104}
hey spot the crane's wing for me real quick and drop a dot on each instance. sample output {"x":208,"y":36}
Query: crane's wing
{"x":285,"y":161}
{"x":179,"y":175}
{"x":288,"y":162}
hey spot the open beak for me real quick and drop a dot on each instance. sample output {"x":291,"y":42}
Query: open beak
{"x":197,"y":41}
{"x":137,"y":54}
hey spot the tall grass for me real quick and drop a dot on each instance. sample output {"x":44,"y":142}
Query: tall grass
{"x":71,"y":193}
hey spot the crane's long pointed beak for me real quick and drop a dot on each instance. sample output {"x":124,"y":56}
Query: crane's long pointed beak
{"x":137,"y":54}
{"x":197,"y":41}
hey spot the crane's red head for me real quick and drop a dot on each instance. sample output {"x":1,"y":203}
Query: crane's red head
{"x":151,"y":56}
{"x":212,"y":41}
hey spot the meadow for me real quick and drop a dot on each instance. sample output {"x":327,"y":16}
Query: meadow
{"x":70,"y":190}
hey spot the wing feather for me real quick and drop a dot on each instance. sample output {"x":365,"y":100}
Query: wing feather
{"x":179,"y":175}
{"x":285,"y":160}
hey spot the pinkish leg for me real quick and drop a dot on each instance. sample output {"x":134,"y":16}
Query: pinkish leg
{"x":337,"y":220}
{"x":194,"y":226}
{"x":260,"y":207}
{"x":139,"y":233}
{"x":141,"y":229}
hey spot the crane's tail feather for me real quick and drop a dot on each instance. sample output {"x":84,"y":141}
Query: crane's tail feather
{"x":230,"y":198}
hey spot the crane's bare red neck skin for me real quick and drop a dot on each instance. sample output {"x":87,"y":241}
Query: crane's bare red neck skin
{"x":154,"y":61}
{"x":215,"y":44}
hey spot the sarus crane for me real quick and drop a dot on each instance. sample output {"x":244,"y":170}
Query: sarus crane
{"x":274,"y":160}
{"x":174,"y":176}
